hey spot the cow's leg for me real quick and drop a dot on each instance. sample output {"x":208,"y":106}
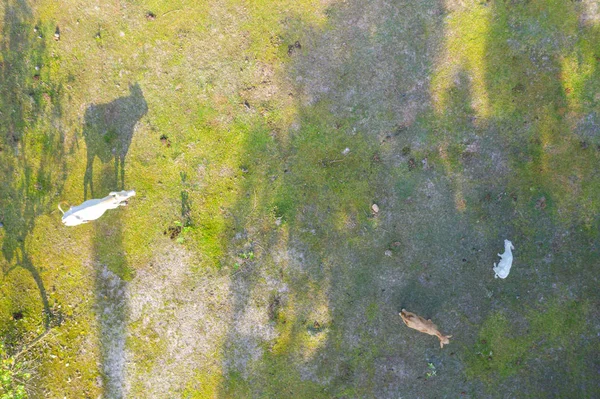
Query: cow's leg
{"x":116,"y":181}
{"x":88,"y":177}
{"x":122,"y":172}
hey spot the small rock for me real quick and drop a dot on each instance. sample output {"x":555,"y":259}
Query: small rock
{"x":293,"y":47}
{"x":472,"y":148}
{"x":411,"y":164}
{"x":375,"y":208}
{"x":388,"y":252}
{"x":541,"y":203}
{"x":346,"y":151}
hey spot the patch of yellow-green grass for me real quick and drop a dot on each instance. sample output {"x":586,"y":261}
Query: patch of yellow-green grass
{"x":205,"y":385}
{"x":518,"y":40}
{"x":273,"y":26}
{"x":464,"y":51}
{"x":538,"y":78}
{"x":322,"y":176}
{"x":21,"y":308}
{"x":580,"y":74}
{"x":502,"y":351}
{"x":146,"y":345}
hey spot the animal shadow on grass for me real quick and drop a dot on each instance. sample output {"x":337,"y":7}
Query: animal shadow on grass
{"x":108,"y":131}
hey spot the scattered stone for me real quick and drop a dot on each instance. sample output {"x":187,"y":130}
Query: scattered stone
{"x":165,"y":140}
{"x":541,"y":203}
{"x":375,"y":208}
{"x":293,"y":47}
{"x":400,"y":129}
{"x":411,"y":164}
{"x":472,"y":148}
{"x":346,"y":151}
{"x":274,"y":307}
{"x":150,"y":16}
{"x":388,"y":252}
{"x":173,"y":232}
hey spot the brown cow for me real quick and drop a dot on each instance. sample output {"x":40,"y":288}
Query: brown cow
{"x":424,"y":326}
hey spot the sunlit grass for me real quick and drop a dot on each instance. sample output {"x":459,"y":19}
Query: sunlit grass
{"x":463,"y":51}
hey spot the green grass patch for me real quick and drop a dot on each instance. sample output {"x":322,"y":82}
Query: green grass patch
{"x":501,"y":351}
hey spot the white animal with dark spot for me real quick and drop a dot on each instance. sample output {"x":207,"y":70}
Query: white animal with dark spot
{"x":94,"y":208}
{"x":505,"y":263}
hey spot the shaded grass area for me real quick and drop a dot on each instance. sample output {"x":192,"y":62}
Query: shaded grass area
{"x":271,"y":130}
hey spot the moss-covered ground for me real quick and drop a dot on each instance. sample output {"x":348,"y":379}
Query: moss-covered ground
{"x":258,"y":135}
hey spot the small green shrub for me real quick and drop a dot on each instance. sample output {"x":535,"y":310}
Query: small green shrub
{"x":12,"y":377}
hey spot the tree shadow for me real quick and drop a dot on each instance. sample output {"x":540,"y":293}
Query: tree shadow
{"x":512,"y":141}
{"x":321,"y":280}
{"x":451,"y":183}
{"x":32,"y":158}
{"x":108,"y":131}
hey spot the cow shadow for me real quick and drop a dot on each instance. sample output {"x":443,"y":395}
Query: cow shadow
{"x":108,"y":130}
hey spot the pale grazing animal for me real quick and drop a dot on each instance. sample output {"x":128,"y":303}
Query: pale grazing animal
{"x":424,"y":326}
{"x":505,"y":263}
{"x":94,"y":208}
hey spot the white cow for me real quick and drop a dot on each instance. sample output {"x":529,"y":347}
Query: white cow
{"x":505,"y":263}
{"x":94,"y":208}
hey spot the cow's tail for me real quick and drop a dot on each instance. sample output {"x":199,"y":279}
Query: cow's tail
{"x":59,"y":208}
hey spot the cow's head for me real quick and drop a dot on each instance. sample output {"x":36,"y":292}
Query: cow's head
{"x":72,"y":220}
{"x":121,"y":196}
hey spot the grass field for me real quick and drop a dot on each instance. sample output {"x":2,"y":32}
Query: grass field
{"x":258,"y":135}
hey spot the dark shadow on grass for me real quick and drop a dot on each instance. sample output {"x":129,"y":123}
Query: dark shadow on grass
{"x":543,"y":102}
{"x":322,"y":279}
{"x":522,"y":173}
{"x":108,"y":131}
{"x":32,"y":161}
